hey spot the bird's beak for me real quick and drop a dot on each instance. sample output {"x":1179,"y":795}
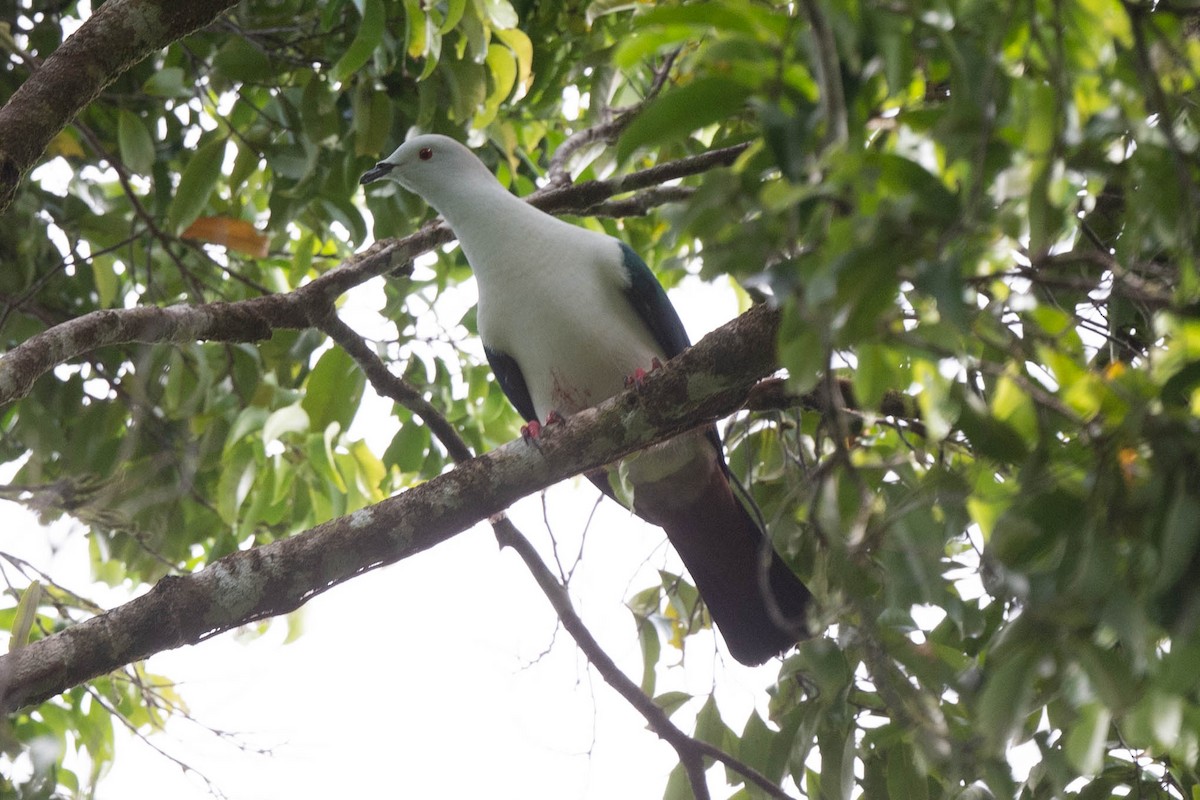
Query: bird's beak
{"x":376,"y":172}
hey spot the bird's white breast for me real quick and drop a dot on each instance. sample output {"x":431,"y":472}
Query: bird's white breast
{"x":557,"y":305}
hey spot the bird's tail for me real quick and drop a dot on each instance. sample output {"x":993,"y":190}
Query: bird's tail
{"x":756,"y":601}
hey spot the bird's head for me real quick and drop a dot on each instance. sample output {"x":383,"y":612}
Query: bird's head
{"x":426,"y":163}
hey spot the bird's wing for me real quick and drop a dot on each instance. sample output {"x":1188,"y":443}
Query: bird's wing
{"x":649,"y":300}
{"x":512,"y":382}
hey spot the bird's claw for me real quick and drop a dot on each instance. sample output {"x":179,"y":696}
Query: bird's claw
{"x":638,"y":378}
{"x":532,"y":430}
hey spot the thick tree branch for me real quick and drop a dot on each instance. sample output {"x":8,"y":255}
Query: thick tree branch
{"x":706,"y":382}
{"x":120,"y":34}
{"x":245,"y":321}
{"x":580,"y":197}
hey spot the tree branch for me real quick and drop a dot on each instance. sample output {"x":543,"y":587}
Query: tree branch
{"x":245,"y":321}
{"x":401,"y":391}
{"x":614,"y":121}
{"x":118,"y":35}
{"x":280,"y":576}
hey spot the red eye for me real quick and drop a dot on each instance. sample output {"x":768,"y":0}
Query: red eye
{"x":425,"y":153}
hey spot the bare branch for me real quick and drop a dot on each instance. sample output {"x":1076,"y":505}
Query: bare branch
{"x":691,"y":751}
{"x":246,"y":321}
{"x":640,"y":204}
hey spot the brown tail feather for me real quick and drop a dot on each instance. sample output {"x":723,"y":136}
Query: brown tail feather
{"x":756,"y":601}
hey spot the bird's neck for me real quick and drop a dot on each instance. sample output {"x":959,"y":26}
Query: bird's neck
{"x":501,"y":233}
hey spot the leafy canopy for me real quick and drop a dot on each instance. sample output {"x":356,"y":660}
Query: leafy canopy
{"x":988,"y":206}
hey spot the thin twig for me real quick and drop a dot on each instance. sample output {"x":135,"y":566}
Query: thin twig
{"x":829,"y":75}
{"x":613,"y":121}
{"x":388,"y":385}
{"x":183,"y":765}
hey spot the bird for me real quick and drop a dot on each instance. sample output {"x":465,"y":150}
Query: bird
{"x":568,"y":317}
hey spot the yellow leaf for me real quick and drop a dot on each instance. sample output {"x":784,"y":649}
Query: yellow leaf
{"x":235,"y":234}
{"x":65,"y":144}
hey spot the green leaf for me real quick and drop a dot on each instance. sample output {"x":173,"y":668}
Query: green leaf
{"x":1005,"y":698}
{"x":454,"y":13}
{"x":241,"y":61}
{"x":709,"y":725}
{"x":368,"y":37}
{"x":371,"y":470}
{"x":875,"y":374}
{"x":415,"y":25}
{"x":167,"y":82}
{"x":1155,"y":721}
{"x":678,"y":785}
{"x":372,"y":122}
{"x":1178,"y":389}
{"x":502,"y":67}
{"x":904,"y":778}
{"x":1180,"y":535}
{"x":409,"y":447}
{"x":802,"y":349}
{"x":837,"y":762}
{"x":196,"y":185}
{"x":1012,"y":405}
{"x":990,"y":437}
{"x":467,"y":83}
{"x":333,"y":389}
{"x":678,"y":112}
{"x":137,"y":148}
{"x":244,"y":164}
{"x":939,"y":403}
{"x":238,"y":472}
{"x":323,"y":462}
{"x":105,"y":276}
{"x":295,"y":626}
{"x":902,"y":177}
{"x":651,"y":648}
{"x":249,"y":420}
{"x":26,"y":613}
{"x":501,"y":13}
{"x":670,"y":702}
{"x":522,"y":49}
{"x":727,"y":17}
{"x":1087,"y":739}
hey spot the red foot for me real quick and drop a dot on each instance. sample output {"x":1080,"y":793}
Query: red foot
{"x":638,"y":378}
{"x":532,"y":431}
